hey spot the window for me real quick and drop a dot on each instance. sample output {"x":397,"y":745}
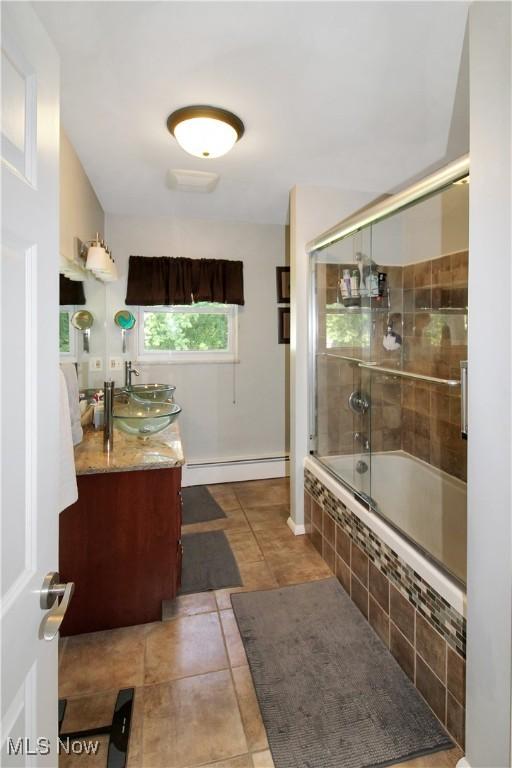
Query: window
{"x":346,"y":329}
{"x":199,"y":332}
{"x":66,"y":333}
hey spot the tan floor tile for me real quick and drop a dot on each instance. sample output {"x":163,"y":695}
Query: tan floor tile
{"x":262,"y":759}
{"x":243,"y":761}
{"x":223,"y":597}
{"x":192,"y":721}
{"x":297,"y":571}
{"x":281,"y":542}
{"x":225,"y":496}
{"x":447,"y":759}
{"x":263,"y":492}
{"x":256,"y":576}
{"x":190,"y":645}
{"x":244,"y":545}
{"x":251,"y":716}
{"x":267,"y":516}
{"x":89,"y":711}
{"x":235,"y":520}
{"x":101,"y":661}
{"x":188,"y":605}
{"x":234,"y":642}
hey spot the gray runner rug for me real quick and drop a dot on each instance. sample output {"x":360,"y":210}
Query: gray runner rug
{"x":199,"y":506}
{"x":330,"y":692}
{"x":208,"y":563}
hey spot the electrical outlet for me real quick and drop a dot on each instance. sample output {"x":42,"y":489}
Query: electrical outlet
{"x":95,"y":364}
{"x":115,"y":364}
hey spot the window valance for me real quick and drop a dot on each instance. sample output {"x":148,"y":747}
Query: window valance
{"x":155,"y":280}
{"x":71,"y":292}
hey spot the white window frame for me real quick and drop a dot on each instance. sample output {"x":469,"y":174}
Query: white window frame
{"x":191,"y":356}
{"x":71,"y":356}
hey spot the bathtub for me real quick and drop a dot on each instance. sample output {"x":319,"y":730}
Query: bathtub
{"x":421,"y":513}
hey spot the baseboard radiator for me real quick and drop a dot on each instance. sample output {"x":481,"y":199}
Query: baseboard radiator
{"x":235,"y":470}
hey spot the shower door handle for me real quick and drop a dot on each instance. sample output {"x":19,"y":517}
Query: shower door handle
{"x":464,"y":399}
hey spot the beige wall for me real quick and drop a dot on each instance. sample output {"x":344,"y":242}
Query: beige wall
{"x":229,"y":411}
{"x":81,"y":214}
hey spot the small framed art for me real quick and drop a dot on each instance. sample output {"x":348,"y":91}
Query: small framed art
{"x":283,"y":328}
{"x":283,"y":285}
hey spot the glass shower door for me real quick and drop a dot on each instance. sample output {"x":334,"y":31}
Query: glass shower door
{"x":342,"y":342}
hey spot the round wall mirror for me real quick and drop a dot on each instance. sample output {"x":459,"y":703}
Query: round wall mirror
{"x":82,"y":321}
{"x":125,"y":320}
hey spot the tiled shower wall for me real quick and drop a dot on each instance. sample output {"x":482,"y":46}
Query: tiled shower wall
{"x":424,"y":634}
{"x":435,"y":297}
{"x":428,"y":307}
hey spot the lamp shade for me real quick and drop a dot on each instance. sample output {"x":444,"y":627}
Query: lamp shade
{"x":97,"y":259}
{"x":205,"y":131}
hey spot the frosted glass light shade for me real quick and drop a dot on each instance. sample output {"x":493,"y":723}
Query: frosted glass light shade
{"x":111,"y":275}
{"x":97,"y":259}
{"x":205,"y":137}
{"x":205,"y":131}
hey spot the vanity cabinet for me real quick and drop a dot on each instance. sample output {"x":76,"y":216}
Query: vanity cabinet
{"x":121,"y":545}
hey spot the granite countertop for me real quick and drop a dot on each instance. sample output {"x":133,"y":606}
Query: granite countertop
{"x":160,"y":451}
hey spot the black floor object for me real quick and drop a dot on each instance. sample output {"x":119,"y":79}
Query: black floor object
{"x":330,"y":692}
{"x":199,"y":506}
{"x":208,"y":563}
{"x":118,"y":730}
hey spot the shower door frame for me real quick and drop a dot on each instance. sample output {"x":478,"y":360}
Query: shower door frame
{"x":420,"y":190}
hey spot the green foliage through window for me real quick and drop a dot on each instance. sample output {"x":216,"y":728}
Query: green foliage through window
{"x":346,"y":329}
{"x":185,"y":331}
{"x":64,"y":340}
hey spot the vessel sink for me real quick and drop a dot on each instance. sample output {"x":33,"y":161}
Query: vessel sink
{"x":154,"y":392}
{"x":143,"y":417}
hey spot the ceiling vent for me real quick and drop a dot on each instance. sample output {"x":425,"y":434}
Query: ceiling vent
{"x":192,"y":181}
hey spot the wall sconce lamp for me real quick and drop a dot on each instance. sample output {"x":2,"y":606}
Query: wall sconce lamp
{"x":98,"y":259}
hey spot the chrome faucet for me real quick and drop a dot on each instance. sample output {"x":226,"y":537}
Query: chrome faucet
{"x":128,"y":370}
{"x":108,"y":416}
{"x":365,"y":443}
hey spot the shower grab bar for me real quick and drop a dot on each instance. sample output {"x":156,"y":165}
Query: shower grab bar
{"x":408,"y":375}
{"x":357,"y":360}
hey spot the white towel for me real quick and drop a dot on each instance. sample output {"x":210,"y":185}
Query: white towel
{"x":68,"y":490}
{"x":69,"y":371}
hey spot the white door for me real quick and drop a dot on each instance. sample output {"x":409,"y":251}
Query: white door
{"x":28,"y":381}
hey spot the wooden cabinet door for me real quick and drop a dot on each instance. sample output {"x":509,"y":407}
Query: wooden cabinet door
{"x":119,"y":544}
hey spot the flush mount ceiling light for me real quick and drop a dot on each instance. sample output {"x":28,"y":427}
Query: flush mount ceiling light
{"x":205,"y":131}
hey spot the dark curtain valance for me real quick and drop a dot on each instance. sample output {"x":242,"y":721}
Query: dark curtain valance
{"x":71,"y":292}
{"x":154,"y":280}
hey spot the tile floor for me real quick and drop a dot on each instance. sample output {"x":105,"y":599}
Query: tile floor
{"x":195,"y":703}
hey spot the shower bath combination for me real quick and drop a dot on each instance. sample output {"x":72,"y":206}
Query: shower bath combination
{"x":389,"y":321}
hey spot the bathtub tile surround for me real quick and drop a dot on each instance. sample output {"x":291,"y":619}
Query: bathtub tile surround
{"x":425,"y":634}
{"x":428,"y":307}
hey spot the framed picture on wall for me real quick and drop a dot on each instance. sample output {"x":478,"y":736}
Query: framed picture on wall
{"x":283,"y":285}
{"x":283,"y":328}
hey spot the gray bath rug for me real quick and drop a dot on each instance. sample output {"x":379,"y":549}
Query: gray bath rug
{"x":199,"y":506}
{"x":330,"y":692}
{"x":208,"y":563}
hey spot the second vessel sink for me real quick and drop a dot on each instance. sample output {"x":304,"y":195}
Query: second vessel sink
{"x":143,"y":417}
{"x":154,"y":392}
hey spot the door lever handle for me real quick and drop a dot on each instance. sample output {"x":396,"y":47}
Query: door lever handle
{"x":50,"y":593}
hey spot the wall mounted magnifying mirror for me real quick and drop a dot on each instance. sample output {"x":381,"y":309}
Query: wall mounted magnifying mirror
{"x":124,"y":320}
{"x":82,"y":321}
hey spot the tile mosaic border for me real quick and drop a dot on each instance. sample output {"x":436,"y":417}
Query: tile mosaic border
{"x":434,"y":608}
